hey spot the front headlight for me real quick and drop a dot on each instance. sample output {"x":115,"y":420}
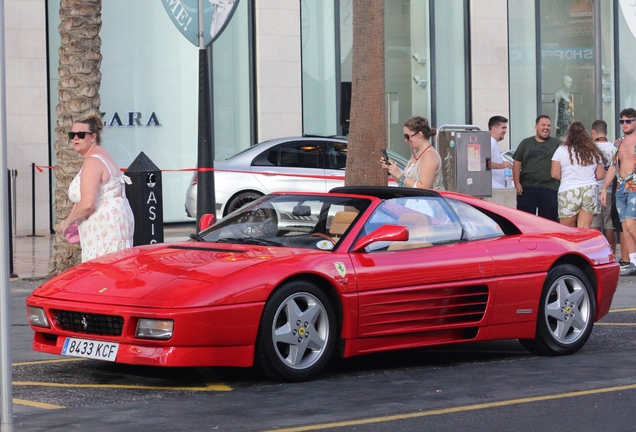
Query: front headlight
{"x":37,"y":317}
{"x":154,"y":329}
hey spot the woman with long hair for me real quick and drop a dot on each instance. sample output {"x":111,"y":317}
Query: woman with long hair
{"x":578,"y":164}
{"x":424,"y":167}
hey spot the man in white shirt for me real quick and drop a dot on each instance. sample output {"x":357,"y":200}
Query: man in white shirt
{"x":498,"y":126}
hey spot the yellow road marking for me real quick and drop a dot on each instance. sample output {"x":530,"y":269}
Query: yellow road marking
{"x":208,"y":387}
{"x":34,"y":404}
{"x":455,"y":410}
{"x":623,"y":310}
{"x":62,"y":360}
{"x":615,"y":324}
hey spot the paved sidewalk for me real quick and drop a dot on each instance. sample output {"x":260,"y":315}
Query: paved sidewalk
{"x":31,"y":255}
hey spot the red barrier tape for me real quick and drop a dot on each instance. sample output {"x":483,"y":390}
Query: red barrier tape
{"x":265,"y":173}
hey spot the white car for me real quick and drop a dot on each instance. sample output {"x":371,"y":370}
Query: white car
{"x":294,"y":164}
{"x":508,"y":155}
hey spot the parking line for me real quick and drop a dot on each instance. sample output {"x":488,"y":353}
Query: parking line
{"x":42,"y":405}
{"x":62,"y":360}
{"x":623,"y":310}
{"x":615,"y":324}
{"x":455,"y":410}
{"x":208,"y":387}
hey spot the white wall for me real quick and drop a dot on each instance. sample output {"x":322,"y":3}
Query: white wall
{"x":278,"y":68}
{"x":489,"y":62}
{"x":27,"y":117}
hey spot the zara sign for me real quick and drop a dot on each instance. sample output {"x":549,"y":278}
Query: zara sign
{"x":132,"y":118}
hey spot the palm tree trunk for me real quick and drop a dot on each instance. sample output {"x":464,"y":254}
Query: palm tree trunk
{"x":367,"y":133}
{"x":78,"y":91}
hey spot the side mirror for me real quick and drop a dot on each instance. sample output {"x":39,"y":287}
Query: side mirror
{"x":384,"y":233}
{"x":206,"y":221}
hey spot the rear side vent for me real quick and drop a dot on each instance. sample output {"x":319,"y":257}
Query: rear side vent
{"x":422,"y":309}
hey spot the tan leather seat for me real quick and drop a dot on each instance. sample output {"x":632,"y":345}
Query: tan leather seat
{"x":409,"y":245}
{"x":420,"y":225}
{"x":341,"y":222}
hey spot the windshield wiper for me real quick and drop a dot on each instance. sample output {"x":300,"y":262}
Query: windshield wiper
{"x":245,"y":240}
{"x":198,"y":237}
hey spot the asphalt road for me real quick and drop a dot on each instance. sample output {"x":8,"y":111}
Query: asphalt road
{"x":476,"y":387}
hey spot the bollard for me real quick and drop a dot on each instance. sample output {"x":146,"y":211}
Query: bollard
{"x":11,"y":205}
{"x":33,"y":202}
{"x":146,"y":200}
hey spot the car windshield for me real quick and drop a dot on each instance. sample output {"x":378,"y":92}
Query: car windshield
{"x":302,"y":221}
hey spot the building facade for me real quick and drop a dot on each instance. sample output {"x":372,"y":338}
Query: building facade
{"x":283,"y":67}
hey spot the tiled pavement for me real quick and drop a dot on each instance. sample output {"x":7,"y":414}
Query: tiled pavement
{"x":31,"y":255}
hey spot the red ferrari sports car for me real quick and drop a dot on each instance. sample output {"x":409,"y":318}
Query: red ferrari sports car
{"x":292,"y":279}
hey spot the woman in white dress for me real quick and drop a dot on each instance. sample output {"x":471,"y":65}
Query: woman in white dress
{"x":105,"y":219}
{"x":578,"y":164}
{"x":424,"y":169}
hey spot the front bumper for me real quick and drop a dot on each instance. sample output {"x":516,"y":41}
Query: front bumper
{"x":211,"y":336}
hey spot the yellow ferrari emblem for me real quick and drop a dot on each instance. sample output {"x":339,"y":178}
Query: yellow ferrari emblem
{"x":102,"y":290}
{"x":340,"y":267}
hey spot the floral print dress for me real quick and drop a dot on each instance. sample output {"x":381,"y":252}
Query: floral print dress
{"x":110,"y":226}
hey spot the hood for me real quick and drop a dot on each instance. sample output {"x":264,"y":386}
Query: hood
{"x":158,"y":275}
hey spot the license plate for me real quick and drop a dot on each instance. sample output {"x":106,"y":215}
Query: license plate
{"x":90,"y":349}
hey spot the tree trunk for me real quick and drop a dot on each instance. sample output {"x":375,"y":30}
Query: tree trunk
{"x":367,"y":131}
{"x":78,"y":91}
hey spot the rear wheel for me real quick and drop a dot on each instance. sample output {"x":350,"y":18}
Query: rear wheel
{"x":566,"y":313}
{"x":241,"y":200}
{"x":297,"y":333}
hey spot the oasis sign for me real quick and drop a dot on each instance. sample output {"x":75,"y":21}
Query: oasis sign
{"x":216,"y":15}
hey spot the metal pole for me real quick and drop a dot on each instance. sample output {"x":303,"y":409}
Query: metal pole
{"x":598,"y":62}
{"x":6,"y":386}
{"x":33,"y":202}
{"x":10,"y":215}
{"x":205,"y":157}
{"x":14,"y":205}
{"x":33,"y":199}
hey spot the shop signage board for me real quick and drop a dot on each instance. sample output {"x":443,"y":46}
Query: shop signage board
{"x":216,"y":16}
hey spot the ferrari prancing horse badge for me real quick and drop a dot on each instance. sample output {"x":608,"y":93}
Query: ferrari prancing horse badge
{"x":340,"y":267}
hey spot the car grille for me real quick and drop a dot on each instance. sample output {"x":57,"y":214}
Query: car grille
{"x":89,"y":323}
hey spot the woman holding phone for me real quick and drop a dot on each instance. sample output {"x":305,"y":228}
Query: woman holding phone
{"x":424,"y":169}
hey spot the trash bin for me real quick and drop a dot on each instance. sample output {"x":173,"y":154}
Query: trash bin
{"x":145,"y":195}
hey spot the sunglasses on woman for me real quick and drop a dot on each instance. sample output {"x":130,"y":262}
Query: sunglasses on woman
{"x":408,"y":137}
{"x":80,"y":134}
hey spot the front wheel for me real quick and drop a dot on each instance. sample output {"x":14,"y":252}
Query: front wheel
{"x":297,"y":333}
{"x":566,"y":313}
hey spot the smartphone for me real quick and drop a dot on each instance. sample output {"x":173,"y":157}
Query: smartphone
{"x":385,"y":156}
